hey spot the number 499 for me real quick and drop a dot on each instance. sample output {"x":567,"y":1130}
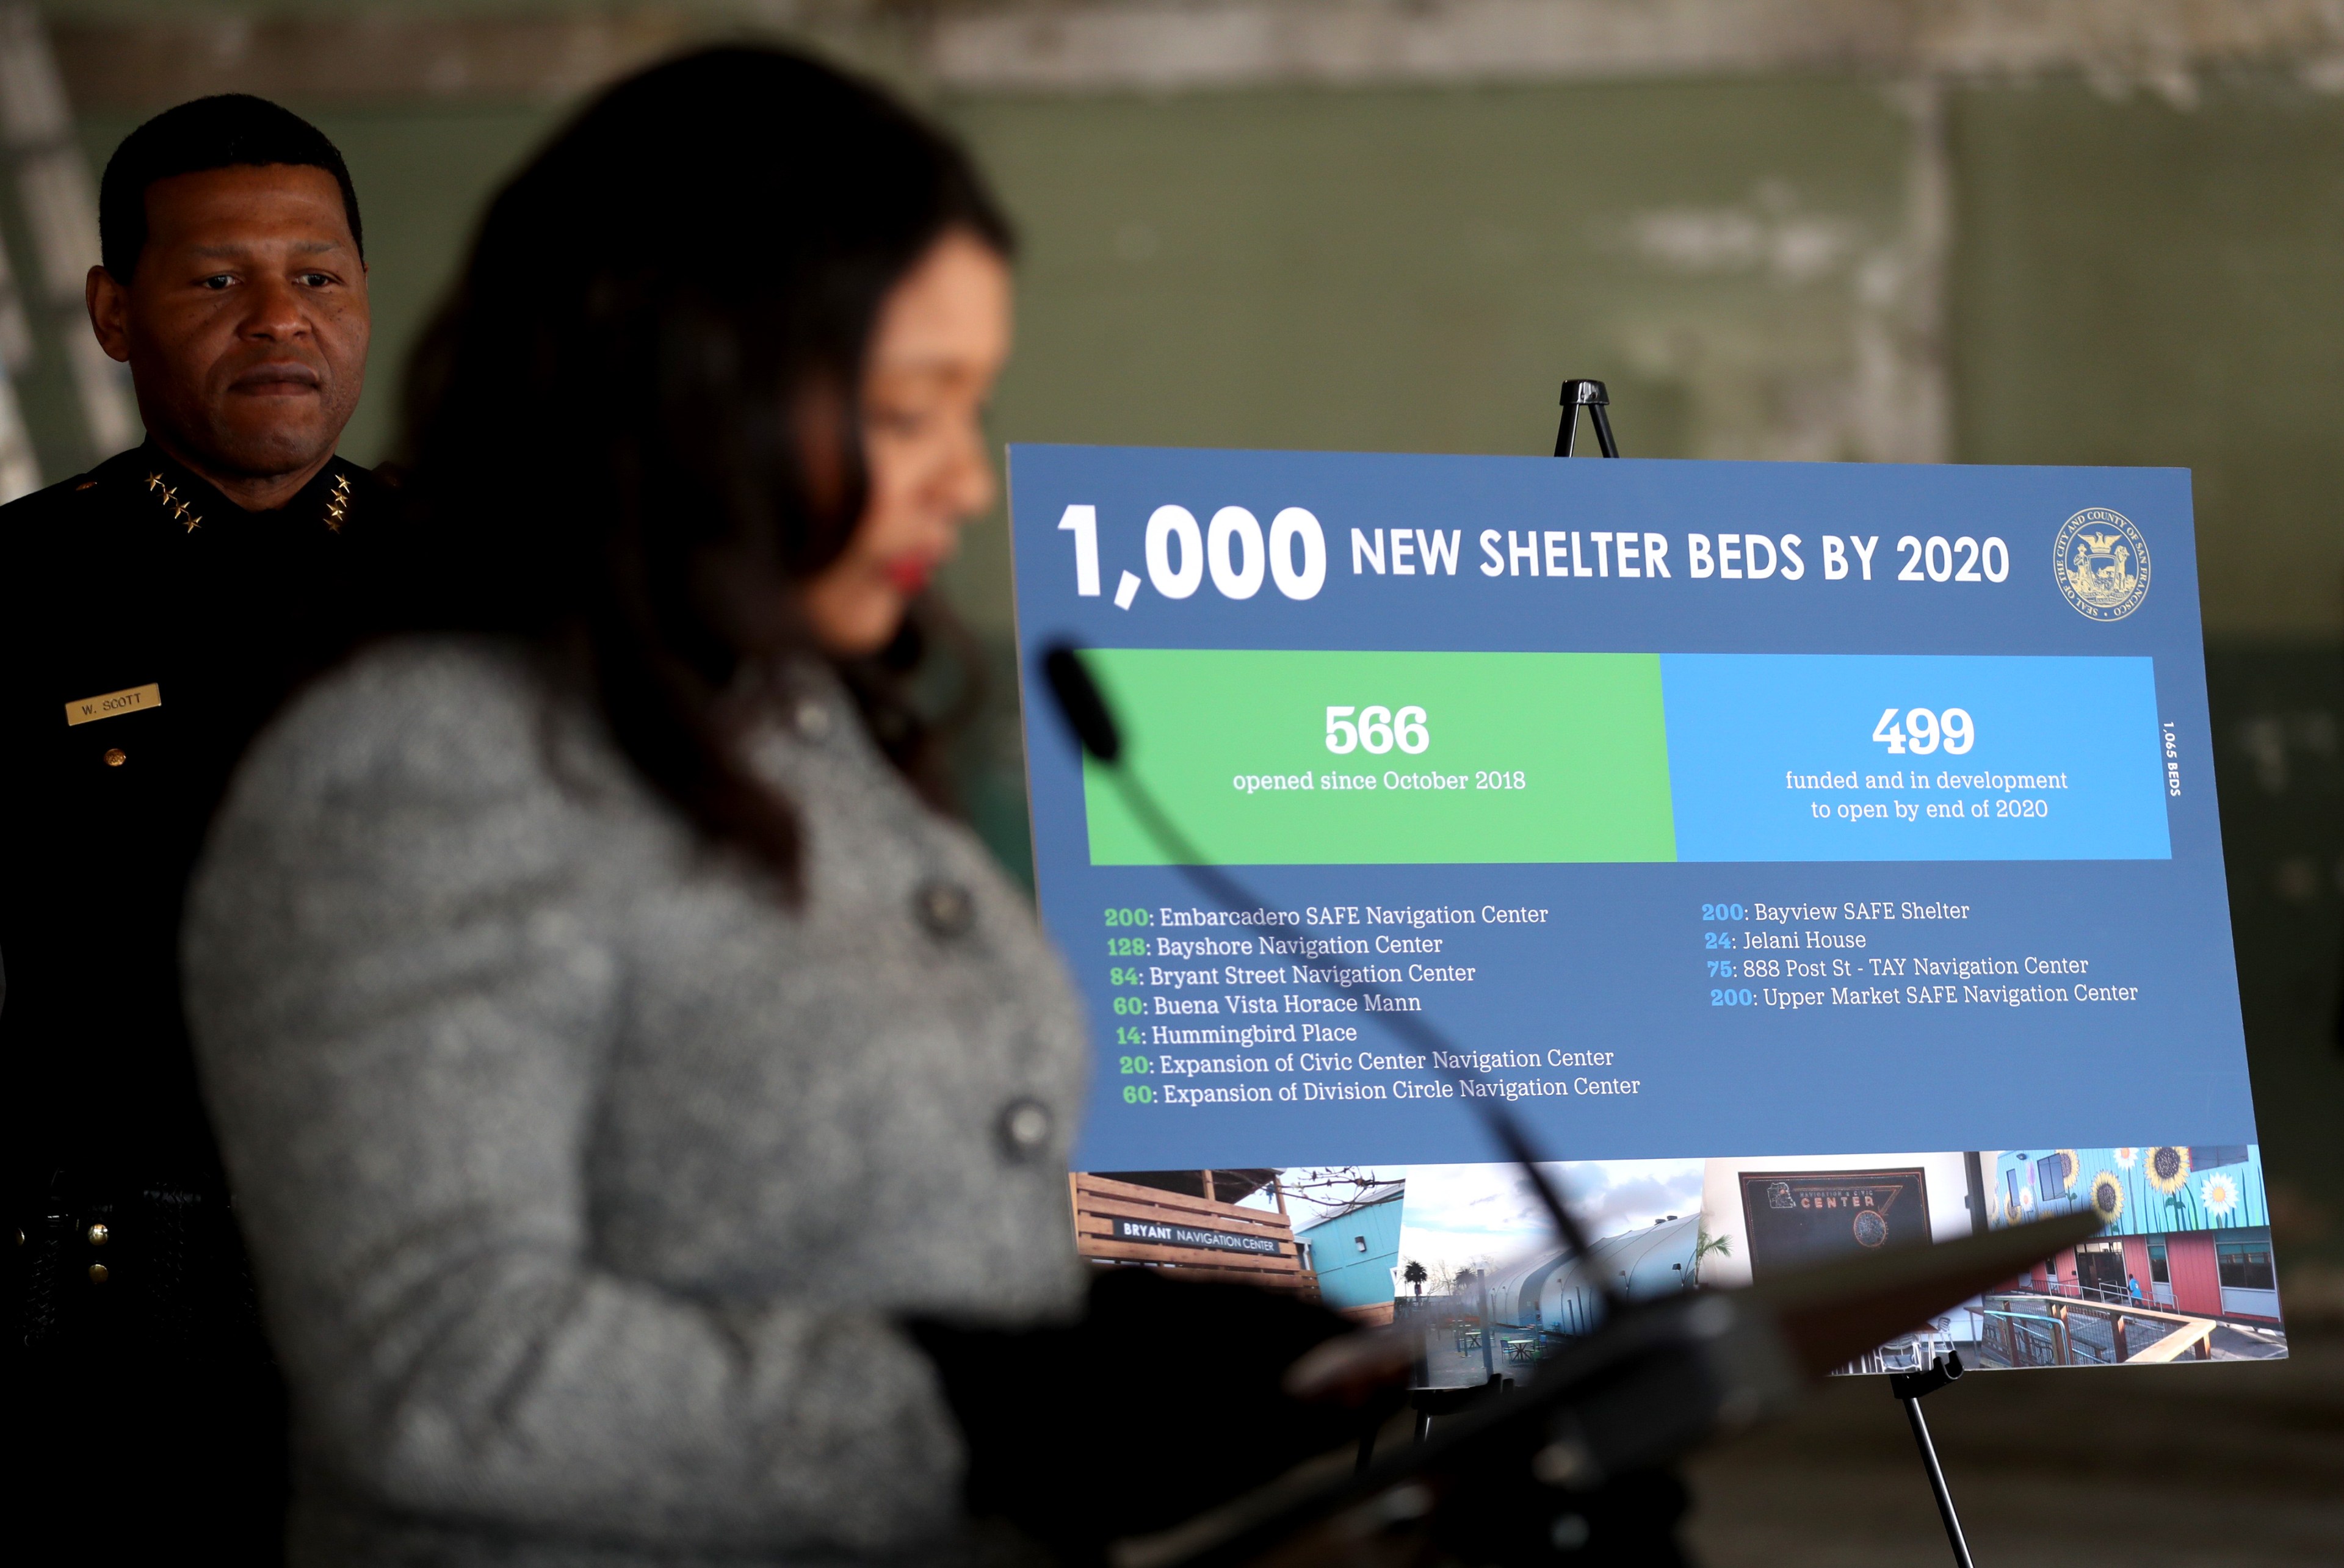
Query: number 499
{"x":1922,"y":730}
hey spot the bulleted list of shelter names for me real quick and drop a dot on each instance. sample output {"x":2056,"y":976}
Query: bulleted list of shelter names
{"x":1221,"y":1008}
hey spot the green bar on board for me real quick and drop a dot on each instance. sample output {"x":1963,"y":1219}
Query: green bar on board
{"x":1441,"y":758}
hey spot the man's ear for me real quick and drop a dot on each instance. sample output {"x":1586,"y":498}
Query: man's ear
{"x":109,"y":313}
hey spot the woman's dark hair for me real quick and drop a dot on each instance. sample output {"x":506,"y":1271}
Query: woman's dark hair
{"x":633,"y":428}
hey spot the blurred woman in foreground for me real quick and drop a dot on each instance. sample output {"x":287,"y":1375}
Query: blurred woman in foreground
{"x":649,"y":1115}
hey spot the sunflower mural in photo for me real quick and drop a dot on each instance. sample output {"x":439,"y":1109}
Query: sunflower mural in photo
{"x":2168,"y":1168}
{"x":2146,"y":1190}
{"x":2184,"y":1247}
{"x":2107,"y":1196}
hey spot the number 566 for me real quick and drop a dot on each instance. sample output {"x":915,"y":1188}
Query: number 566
{"x":1377,"y":730}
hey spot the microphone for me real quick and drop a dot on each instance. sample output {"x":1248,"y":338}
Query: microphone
{"x":1087,"y":714}
{"x":1082,"y":704}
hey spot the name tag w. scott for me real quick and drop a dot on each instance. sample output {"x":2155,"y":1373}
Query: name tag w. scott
{"x":132,"y":699}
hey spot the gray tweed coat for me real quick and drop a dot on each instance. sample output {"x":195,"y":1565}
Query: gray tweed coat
{"x":585,"y":1180}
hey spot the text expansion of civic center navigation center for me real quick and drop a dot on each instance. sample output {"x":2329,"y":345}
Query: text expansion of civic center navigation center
{"x":1712,"y":809}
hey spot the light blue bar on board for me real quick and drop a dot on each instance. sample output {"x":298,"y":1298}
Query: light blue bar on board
{"x":1774,"y":757}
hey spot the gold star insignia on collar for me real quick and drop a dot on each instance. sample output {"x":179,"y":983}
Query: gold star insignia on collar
{"x":179,"y":509}
{"x":338,"y":505}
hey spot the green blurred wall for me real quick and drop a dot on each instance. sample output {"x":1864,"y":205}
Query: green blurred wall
{"x":2138,"y":283}
{"x":2126,"y":281}
{"x":1419,"y":269}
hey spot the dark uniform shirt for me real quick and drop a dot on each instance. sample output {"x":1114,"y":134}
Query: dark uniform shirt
{"x":148,"y":628}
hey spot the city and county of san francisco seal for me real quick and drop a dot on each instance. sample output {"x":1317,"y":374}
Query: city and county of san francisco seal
{"x":2102,"y":564}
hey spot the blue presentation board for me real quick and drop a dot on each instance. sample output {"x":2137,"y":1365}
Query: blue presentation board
{"x":1760,"y":812}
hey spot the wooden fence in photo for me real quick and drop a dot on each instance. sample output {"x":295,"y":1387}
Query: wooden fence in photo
{"x":1121,"y":1222}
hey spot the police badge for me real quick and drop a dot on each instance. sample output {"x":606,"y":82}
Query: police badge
{"x":2102,"y":564}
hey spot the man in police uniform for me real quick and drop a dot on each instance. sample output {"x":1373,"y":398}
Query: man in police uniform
{"x":154,"y":612}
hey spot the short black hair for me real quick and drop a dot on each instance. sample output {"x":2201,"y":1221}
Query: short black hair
{"x":228,"y":131}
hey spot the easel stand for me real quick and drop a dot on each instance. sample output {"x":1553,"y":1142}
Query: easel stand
{"x":1910,"y":1387}
{"x":1590,"y":396}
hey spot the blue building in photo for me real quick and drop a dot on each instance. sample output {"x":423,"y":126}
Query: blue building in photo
{"x":1355,"y":1249}
{"x":2186,"y":1227}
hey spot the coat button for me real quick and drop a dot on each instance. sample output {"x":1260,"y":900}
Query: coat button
{"x":97,"y":1235}
{"x":115,"y":756}
{"x":946,"y":908}
{"x":97,"y":1273}
{"x":1025,"y":1127}
{"x":812,"y":720}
